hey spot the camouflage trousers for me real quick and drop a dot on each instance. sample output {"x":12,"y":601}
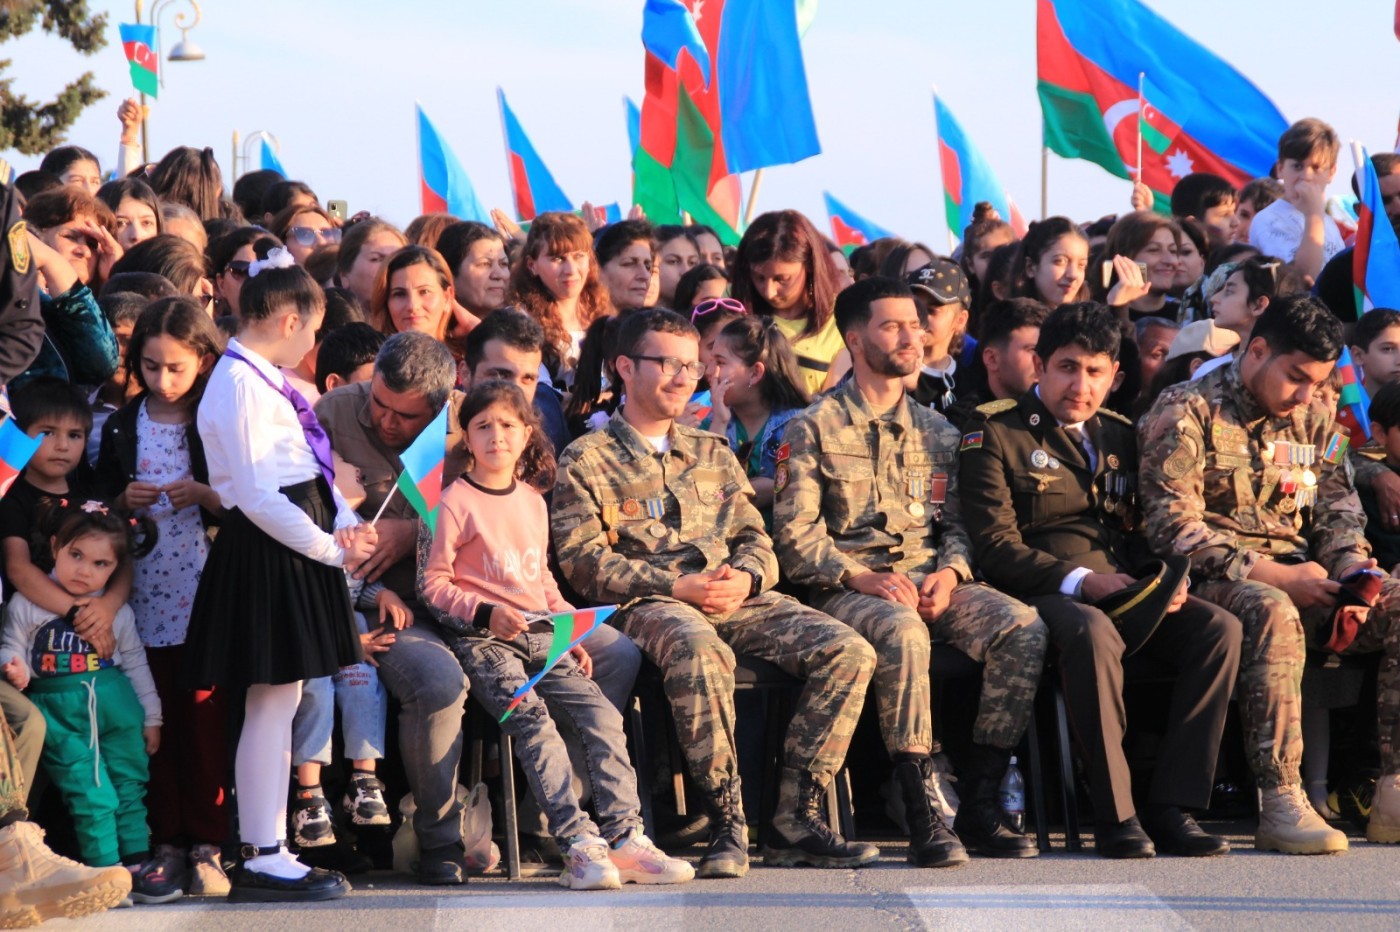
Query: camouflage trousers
{"x":696,"y":655}
{"x":1004,"y":635}
{"x":1381,"y":632}
{"x":1270,"y":685}
{"x":12,"y":788}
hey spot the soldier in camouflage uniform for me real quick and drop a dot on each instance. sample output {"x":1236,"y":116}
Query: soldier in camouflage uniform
{"x":866,"y":514}
{"x":658,"y":517}
{"x":1244,"y":472}
{"x":1049,"y":490}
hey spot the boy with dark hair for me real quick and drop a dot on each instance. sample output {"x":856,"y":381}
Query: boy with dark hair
{"x":1049,"y":495}
{"x":1296,"y":227}
{"x":347,"y":355}
{"x":508,"y":346}
{"x":1209,"y":199}
{"x":1004,"y":366}
{"x":1254,"y":197}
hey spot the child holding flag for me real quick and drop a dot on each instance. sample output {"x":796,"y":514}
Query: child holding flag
{"x":488,"y":573}
{"x":272,"y":608}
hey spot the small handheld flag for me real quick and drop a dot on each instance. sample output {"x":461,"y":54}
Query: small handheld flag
{"x":536,"y":191}
{"x":1353,"y":406}
{"x":421,"y":479}
{"x":139,"y":44}
{"x":848,"y":228}
{"x":1375,"y":262}
{"x":270,"y":161}
{"x":444,"y":185}
{"x":570,"y":628}
{"x":16,"y":447}
{"x":706,"y":402}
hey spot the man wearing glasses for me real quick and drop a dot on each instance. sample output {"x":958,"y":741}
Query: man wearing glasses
{"x":867,"y":514}
{"x":656,"y":517}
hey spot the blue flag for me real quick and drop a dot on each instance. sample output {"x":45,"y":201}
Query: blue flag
{"x":271,"y":161}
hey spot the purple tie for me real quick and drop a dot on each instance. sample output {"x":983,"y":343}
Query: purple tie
{"x":311,"y":428}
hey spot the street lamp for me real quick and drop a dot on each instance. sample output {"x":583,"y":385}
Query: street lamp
{"x":184,"y":50}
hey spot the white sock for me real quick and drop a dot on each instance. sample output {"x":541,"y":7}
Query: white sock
{"x":282,"y":864}
{"x":261,"y":774}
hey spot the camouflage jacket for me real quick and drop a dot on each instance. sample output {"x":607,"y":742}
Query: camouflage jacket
{"x":627,"y":521}
{"x":1214,"y":481}
{"x":856,"y":493}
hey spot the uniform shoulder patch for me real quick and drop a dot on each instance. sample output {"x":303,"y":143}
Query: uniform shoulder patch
{"x":972,"y":441}
{"x":997,"y":406}
{"x":1109,"y":412}
{"x":784,"y":453}
{"x":19,"y":247}
{"x":1336,"y":448}
{"x":780,"y":477}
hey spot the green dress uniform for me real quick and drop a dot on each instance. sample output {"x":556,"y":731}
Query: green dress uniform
{"x":1042,"y":507}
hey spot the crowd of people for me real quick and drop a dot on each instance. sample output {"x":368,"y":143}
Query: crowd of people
{"x":1048,"y":453}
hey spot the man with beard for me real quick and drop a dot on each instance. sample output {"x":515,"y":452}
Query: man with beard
{"x":867,"y":516}
{"x":658,"y":518}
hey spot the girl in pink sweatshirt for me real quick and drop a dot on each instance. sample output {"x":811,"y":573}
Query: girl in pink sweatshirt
{"x":488,"y":573}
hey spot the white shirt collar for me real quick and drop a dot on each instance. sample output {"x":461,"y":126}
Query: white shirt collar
{"x":258,"y":362}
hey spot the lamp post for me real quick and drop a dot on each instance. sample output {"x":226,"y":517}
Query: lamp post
{"x":242,"y":152}
{"x":184,"y":50}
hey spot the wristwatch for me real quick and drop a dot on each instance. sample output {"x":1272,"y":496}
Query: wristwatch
{"x":757,"y":586}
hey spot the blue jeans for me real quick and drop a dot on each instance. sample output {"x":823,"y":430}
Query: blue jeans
{"x":496,"y":671}
{"x":360,"y":696}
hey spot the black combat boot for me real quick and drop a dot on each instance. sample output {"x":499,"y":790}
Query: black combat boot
{"x":799,"y":835}
{"x":931,"y":842}
{"x":728,"y":852}
{"x":981,"y":823}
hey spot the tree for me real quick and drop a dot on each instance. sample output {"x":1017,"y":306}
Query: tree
{"x":28,"y":126}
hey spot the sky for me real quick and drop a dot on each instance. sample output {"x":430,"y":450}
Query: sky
{"x":336,"y":80}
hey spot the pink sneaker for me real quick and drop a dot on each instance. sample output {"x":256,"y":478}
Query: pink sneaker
{"x":639,"y":861}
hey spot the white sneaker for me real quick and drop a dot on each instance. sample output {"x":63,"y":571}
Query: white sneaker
{"x":638,"y":860}
{"x":588,"y":867}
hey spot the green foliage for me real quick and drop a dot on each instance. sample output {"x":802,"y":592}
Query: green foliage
{"x":32,"y":127}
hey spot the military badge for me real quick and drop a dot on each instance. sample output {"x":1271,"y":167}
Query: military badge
{"x":19,"y":247}
{"x":972,"y":441}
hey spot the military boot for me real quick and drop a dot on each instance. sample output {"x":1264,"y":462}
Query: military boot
{"x":981,"y":824}
{"x":931,"y":842}
{"x":1289,"y":823}
{"x":799,"y":835}
{"x":1384,"y":827}
{"x":728,"y":851}
{"x":37,"y":885}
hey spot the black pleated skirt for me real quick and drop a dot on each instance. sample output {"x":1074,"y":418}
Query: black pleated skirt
{"x":265,"y":614}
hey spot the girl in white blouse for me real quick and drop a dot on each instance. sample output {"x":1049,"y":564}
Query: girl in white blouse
{"x":272,"y":607}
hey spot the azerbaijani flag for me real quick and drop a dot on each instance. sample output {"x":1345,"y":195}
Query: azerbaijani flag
{"x":536,"y":191}
{"x":848,"y":228}
{"x":443,"y":184}
{"x":270,"y":161}
{"x":570,"y":628}
{"x":421,"y":478}
{"x":1375,"y":261}
{"x":1212,"y":119}
{"x":1353,"y":406}
{"x":139,"y":44}
{"x":968,"y":178}
{"x":679,"y":164}
{"x":16,"y":447}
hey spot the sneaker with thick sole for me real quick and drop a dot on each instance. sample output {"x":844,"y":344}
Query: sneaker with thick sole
{"x":311,"y":822}
{"x":207,"y":875}
{"x":37,"y":885}
{"x":1383,"y":828}
{"x":587,"y":866}
{"x":157,"y":880}
{"x":1288,"y":823}
{"x":638,"y":860}
{"x":364,"y":800}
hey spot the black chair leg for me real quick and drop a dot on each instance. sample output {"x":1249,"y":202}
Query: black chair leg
{"x":641,"y":763}
{"x":1069,"y":797}
{"x":508,"y":803}
{"x":1032,"y":745}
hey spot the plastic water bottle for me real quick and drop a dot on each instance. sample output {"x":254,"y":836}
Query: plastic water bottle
{"x":1013,"y":796}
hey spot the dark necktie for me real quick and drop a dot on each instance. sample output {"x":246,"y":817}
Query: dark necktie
{"x":1077,"y":435}
{"x":311,"y":428}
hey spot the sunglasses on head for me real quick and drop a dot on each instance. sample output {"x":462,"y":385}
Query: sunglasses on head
{"x":306,"y":236}
{"x":715,"y":305}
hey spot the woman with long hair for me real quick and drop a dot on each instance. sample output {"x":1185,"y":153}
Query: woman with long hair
{"x":782,"y":270}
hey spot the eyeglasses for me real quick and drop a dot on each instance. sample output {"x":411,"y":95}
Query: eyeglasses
{"x":672,"y":366}
{"x":307,"y":236}
{"x":238,"y":268}
{"x":715,"y":305}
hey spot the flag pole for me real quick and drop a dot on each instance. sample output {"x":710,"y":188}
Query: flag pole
{"x":1142,"y":75}
{"x":1044,"y":175}
{"x":753,"y":195}
{"x":1358,"y":158}
{"x":385,"y":504}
